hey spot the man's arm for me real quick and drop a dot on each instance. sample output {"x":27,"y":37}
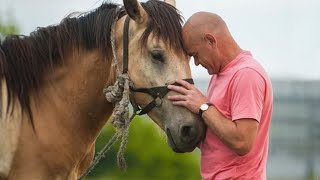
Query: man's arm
{"x":239,"y":133}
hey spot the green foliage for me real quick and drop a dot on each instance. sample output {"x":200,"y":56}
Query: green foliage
{"x":148,"y":156}
{"x":8,"y":29}
{"x":9,"y":26}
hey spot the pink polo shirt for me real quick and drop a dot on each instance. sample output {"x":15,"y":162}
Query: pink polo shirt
{"x":241,"y":90}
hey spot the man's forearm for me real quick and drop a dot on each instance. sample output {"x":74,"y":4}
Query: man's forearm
{"x":228,"y":131}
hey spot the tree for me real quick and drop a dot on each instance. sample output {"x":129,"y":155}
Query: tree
{"x":9,"y":26}
{"x":7,"y":29}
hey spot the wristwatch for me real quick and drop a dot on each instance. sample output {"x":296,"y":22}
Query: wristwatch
{"x":203,"y":108}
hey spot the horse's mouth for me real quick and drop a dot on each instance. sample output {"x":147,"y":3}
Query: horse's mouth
{"x":174,"y":146}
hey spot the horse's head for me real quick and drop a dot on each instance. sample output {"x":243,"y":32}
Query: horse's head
{"x":156,"y":58}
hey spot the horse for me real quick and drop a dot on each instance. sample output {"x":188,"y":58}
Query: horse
{"x":52,"y":105}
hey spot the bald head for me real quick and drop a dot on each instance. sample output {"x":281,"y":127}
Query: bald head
{"x":206,"y":37}
{"x":205,"y":22}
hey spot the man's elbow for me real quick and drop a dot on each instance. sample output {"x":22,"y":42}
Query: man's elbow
{"x":242,"y":148}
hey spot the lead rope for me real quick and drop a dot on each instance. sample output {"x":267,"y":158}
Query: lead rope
{"x":119,"y":95}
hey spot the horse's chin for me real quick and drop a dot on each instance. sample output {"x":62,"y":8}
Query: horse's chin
{"x":179,"y":148}
{"x":183,"y":151}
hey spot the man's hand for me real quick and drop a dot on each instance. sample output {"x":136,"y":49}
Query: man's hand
{"x":189,"y":97}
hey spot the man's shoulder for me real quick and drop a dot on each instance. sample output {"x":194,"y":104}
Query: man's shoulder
{"x":251,"y":74}
{"x":249,"y":61}
{"x":250,"y":66}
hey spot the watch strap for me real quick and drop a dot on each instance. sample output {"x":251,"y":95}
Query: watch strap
{"x":201,"y":111}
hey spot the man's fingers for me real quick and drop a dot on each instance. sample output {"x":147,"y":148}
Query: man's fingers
{"x":179,"y":103}
{"x":177,"y":98}
{"x":184,"y":84}
{"x":178,"y":89}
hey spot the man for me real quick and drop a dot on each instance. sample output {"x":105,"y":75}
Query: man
{"x":238,"y":107}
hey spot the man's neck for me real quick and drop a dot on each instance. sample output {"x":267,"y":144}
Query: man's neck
{"x":229,"y":54}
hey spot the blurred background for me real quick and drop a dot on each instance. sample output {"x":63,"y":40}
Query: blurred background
{"x":283,"y":37}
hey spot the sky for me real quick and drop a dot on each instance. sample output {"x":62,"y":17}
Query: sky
{"x":283,"y":35}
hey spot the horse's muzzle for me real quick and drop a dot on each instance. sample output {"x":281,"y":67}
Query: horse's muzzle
{"x":185,"y":139}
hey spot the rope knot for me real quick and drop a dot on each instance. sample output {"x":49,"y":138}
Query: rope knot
{"x":113,"y":93}
{"x":119,"y":95}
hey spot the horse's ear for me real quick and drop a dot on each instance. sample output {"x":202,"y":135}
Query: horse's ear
{"x":171,"y":2}
{"x":135,"y":10}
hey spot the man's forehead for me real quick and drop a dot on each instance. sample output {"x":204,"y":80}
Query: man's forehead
{"x":186,"y":36}
{"x":190,"y":51}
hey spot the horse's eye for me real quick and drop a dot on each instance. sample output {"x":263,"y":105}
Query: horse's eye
{"x":157,"y":55}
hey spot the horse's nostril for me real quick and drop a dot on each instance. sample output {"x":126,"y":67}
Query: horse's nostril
{"x":188,"y":133}
{"x":186,"y":130}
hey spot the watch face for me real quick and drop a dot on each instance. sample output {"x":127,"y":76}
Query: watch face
{"x":204,"y":107}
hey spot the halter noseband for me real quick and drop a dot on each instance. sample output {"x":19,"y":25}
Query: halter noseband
{"x":157,"y":93}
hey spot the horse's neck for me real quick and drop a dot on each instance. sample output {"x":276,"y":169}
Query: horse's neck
{"x":71,"y":108}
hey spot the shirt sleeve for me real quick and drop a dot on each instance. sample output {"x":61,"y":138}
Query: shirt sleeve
{"x":247,"y":94}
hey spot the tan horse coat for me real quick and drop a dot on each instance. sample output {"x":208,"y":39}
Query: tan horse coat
{"x":10,"y":125}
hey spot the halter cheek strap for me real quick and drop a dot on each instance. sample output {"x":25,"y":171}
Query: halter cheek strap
{"x":125,"y":45}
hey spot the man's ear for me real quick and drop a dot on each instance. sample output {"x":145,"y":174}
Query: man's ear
{"x":211,"y":40}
